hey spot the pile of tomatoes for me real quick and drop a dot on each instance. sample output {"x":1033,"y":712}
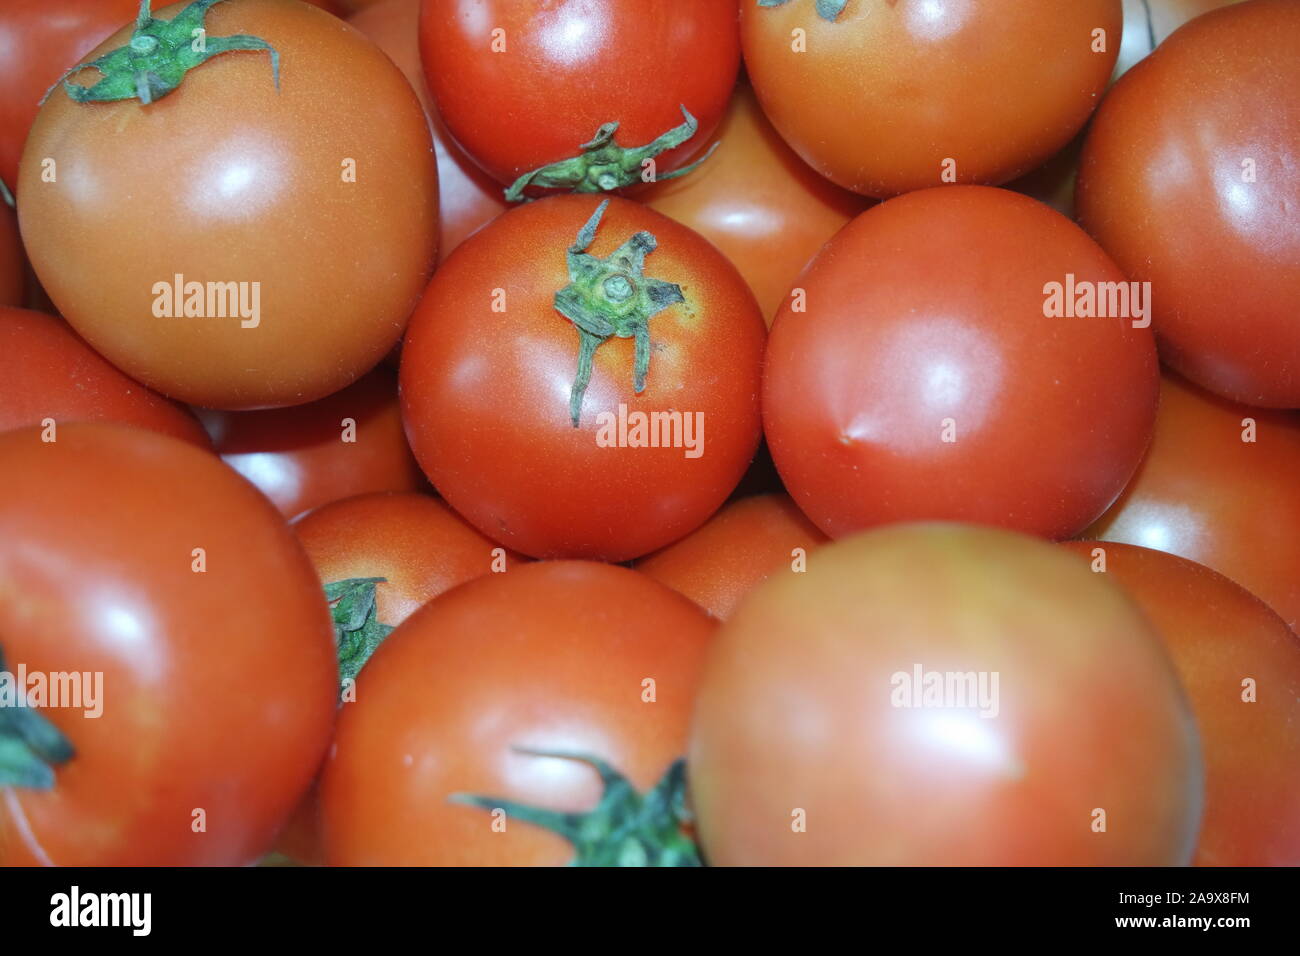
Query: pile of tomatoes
{"x":650,"y":432}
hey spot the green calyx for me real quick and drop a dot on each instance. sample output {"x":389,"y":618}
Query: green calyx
{"x":611,"y":297}
{"x":626,"y":828}
{"x":158,"y":56}
{"x":826,"y":9}
{"x":357,"y":628}
{"x":5,"y":195}
{"x":30,"y":746}
{"x":604,"y":165}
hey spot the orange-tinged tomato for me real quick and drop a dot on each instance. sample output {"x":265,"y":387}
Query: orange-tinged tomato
{"x":758,"y":202}
{"x":741,"y":546}
{"x":302,"y":457}
{"x":235,"y":243}
{"x":896,"y":95}
{"x":1218,"y":486}
{"x":1240,"y":665}
{"x":942,"y":695}
{"x":144,"y":560}
{"x":506,"y":688}
{"x":48,"y":372}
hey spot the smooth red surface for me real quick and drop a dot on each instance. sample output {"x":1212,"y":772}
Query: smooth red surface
{"x":571,"y":66}
{"x":1162,"y":187}
{"x":550,"y":656}
{"x":467,"y":196}
{"x":733,"y":552}
{"x":485,"y":394}
{"x":228,"y":179}
{"x":218,"y":687}
{"x":928,"y":310}
{"x":797,"y":710}
{"x":878,"y":99}
{"x":47,"y":371}
{"x":1207,"y":495}
{"x":1221,"y":637}
{"x":758,"y":202}
{"x":297,"y":456}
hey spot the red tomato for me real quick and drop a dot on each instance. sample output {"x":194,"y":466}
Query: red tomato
{"x":888,"y":95}
{"x":507,"y":688}
{"x":303,"y":457}
{"x":1147,"y":23}
{"x":218,"y":679}
{"x":737,"y":549}
{"x":1240,"y":664}
{"x":301,"y":220}
{"x":758,"y":202}
{"x":41,"y":39}
{"x":13,"y":263}
{"x":821,"y":738}
{"x":925,"y":381}
{"x":46,"y":371}
{"x":492,"y":395}
{"x":467,"y":197}
{"x":1206,"y":493}
{"x":418,"y":545}
{"x":524,"y":85}
{"x":1188,"y":181}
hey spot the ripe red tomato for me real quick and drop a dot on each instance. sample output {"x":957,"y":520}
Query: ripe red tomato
{"x":217,"y":680}
{"x":313,"y":204}
{"x":741,"y":546}
{"x":507,"y":687}
{"x":924,"y":380}
{"x":758,"y":202}
{"x":1205,"y":493}
{"x":1147,"y":23}
{"x":1188,"y":181}
{"x":46,"y":371}
{"x":1240,"y":664}
{"x":41,"y":39}
{"x":303,"y":457}
{"x":886,"y":96}
{"x":821,"y":738}
{"x":492,"y":396}
{"x":13,"y":279}
{"x":524,"y":85}
{"x":418,"y":545}
{"x":467,"y":196}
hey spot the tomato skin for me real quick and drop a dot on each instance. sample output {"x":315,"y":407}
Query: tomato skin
{"x":13,"y":263}
{"x":1220,"y":252}
{"x":758,"y":202}
{"x":299,"y":458}
{"x":571,"y":66}
{"x":1146,"y":21}
{"x":925,"y":320}
{"x":218,"y":687}
{"x":419,"y":545}
{"x":467,"y":196}
{"x":254,"y":191}
{"x":733,"y":552}
{"x":46,"y":371}
{"x":485,"y":395}
{"x":796,"y":710}
{"x":1219,"y":634}
{"x":879,"y":99}
{"x":1206,"y":495}
{"x":549,"y":656}
{"x":39,"y":46}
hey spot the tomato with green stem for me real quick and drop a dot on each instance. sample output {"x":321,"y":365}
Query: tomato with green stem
{"x":1240,"y":665}
{"x":244,"y":231}
{"x":171,"y":587}
{"x":536,"y":717}
{"x":48,"y":373}
{"x":943,"y":695}
{"x":576,"y":94}
{"x":581,"y":379}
